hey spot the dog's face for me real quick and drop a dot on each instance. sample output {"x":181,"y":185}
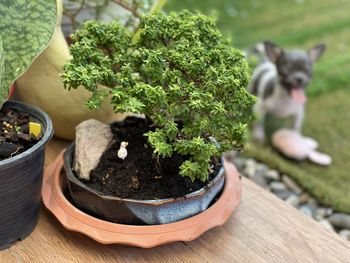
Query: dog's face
{"x":294,"y":67}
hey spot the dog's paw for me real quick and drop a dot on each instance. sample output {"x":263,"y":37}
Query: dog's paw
{"x":310,"y":143}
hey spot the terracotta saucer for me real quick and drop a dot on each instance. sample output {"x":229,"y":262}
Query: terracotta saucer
{"x":140,"y":236}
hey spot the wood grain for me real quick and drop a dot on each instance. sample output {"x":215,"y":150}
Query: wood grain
{"x":263,"y":229}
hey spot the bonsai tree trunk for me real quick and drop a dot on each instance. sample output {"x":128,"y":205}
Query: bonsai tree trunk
{"x":41,"y":86}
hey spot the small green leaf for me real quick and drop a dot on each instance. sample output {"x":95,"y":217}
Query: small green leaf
{"x":96,"y":99}
{"x":194,"y":170}
{"x":156,"y":8}
{"x":158,"y":142}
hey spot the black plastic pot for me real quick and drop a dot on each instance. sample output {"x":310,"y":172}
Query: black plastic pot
{"x":21,"y":181}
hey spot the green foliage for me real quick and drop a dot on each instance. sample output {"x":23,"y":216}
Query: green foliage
{"x":182,"y":74}
{"x":26,"y":28}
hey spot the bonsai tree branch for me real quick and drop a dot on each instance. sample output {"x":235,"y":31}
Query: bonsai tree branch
{"x":132,"y":9}
{"x":73,"y":16}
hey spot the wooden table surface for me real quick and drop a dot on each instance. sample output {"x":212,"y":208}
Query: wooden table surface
{"x":262,"y":229}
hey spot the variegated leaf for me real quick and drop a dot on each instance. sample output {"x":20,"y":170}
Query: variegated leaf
{"x":26,"y":27}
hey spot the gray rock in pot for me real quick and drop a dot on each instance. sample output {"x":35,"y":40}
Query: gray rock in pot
{"x":92,"y":139}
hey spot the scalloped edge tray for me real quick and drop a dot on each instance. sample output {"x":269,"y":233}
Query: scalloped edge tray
{"x":140,"y":236}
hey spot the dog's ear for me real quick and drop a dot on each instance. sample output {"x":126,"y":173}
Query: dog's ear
{"x":273,"y":51}
{"x":316,"y":52}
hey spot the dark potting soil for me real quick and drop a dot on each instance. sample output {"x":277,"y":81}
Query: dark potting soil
{"x":14,"y":133}
{"x":138,"y":176}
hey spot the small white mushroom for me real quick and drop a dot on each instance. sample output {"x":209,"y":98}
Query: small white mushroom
{"x":122,"y":152}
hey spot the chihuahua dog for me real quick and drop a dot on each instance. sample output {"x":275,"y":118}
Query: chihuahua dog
{"x":279,"y":82}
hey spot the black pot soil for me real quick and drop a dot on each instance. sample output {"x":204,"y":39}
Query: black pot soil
{"x":21,"y":178}
{"x":117,"y":185}
{"x":140,"y":175}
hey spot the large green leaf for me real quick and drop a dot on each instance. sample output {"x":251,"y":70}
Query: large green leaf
{"x":26,"y":28}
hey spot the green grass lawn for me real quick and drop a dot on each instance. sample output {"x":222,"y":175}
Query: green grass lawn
{"x":301,"y":24}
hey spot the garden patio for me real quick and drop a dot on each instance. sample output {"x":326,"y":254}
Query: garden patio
{"x":145,"y":172}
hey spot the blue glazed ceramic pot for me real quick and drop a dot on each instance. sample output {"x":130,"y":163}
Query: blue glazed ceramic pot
{"x":139,"y":212}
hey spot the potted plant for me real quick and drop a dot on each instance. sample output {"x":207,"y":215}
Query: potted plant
{"x":46,"y":68}
{"x":189,"y":83}
{"x":25,"y":30}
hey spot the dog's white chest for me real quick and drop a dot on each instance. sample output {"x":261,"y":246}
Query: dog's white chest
{"x":282,"y":105}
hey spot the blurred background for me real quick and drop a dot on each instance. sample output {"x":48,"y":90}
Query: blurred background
{"x":291,"y":24}
{"x":300,"y":24}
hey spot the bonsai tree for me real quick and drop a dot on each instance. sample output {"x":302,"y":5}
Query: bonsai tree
{"x":178,"y":71}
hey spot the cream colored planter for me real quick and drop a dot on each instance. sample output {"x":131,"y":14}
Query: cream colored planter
{"x":41,"y":86}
